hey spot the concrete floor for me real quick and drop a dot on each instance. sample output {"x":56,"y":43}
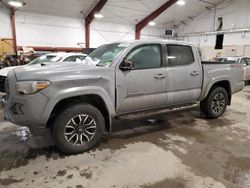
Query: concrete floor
{"x":178,"y":150}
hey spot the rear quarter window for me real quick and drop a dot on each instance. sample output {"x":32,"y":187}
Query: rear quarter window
{"x":179,"y":55}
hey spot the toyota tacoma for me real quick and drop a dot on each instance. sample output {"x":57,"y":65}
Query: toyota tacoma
{"x":78,"y":102}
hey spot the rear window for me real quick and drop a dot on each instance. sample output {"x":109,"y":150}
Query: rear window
{"x":179,"y":55}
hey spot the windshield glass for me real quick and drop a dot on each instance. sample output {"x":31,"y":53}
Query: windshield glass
{"x":45,"y":58}
{"x":105,"y":55}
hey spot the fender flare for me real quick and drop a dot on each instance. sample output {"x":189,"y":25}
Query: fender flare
{"x":214,"y":81}
{"x":76,"y":92}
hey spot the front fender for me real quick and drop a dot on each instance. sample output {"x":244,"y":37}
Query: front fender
{"x":75,"y":92}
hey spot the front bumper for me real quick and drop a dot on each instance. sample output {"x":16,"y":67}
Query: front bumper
{"x":27,"y":111}
{"x":24,"y":110}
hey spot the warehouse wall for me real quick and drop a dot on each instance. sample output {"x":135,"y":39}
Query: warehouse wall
{"x":5,"y":23}
{"x":47,"y":30}
{"x":235,"y":15}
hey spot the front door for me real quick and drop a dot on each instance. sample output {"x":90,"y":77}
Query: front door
{"x":184,"y":75}
{"x":144,"y":87}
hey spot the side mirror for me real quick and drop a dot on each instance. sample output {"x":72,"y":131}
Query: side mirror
{"x":127,"y":65}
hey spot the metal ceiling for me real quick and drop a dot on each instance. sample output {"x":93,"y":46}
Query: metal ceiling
{"x":121,"y":11}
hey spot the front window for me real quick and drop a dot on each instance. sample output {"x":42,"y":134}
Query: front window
{"x":146,"y":56}
{"x":106,"y":54}
{"x":45,"y":58}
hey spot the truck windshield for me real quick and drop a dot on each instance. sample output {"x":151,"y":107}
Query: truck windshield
{"x":105,"y":55}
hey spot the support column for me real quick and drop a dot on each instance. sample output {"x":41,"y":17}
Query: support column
{"x":90,"y":18}
{"x":13,"y":24}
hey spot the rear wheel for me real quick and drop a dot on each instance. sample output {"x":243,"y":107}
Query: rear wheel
{"x":78,"y":128}
{"x":216,"y":103}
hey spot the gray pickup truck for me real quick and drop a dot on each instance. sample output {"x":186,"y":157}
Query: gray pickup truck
{"x":78,"y":102}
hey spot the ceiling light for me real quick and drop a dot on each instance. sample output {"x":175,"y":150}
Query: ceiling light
{"x":181,"y":2}
{"x":99,"y":16}
{"x":15,"y":3}
{"x":151,"y":23}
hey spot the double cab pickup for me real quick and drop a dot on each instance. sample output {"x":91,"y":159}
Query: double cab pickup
{"x":78,"y":101}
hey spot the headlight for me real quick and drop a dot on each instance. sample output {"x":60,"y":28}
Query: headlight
{"x":31,"y":87}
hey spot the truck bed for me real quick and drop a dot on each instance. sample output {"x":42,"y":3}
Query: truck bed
{"x":223,"y":71}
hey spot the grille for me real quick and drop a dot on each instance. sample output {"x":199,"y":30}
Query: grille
{"x":2,"y":84}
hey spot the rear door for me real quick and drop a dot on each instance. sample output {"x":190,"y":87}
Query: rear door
{"x":144,"y":87}
{"x":184,"y":74}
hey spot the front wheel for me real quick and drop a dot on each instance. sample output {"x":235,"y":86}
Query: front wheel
{"x":216,"y":103}
{"x":78,"y":128}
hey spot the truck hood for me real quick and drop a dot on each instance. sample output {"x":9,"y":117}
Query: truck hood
{"x":51,"y":71}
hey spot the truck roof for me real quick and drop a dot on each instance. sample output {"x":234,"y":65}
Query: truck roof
{"x":158,"y":41}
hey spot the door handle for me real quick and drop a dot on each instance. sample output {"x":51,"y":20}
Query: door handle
{"x":194,"y":73}
{"x":159,"y":76}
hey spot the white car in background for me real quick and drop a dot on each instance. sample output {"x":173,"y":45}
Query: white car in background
{"x":52,"y":57}
{"x":48,"y":58}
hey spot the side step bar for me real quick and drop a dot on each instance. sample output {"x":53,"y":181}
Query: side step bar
{"x":148,"y":113}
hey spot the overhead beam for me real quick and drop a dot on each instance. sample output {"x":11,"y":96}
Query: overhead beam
{"x":139,"y":26}
{"x":90,"y":18}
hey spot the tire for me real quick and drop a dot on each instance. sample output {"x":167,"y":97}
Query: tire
{"x":215,"y":103}
{"x":78,"y":128}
